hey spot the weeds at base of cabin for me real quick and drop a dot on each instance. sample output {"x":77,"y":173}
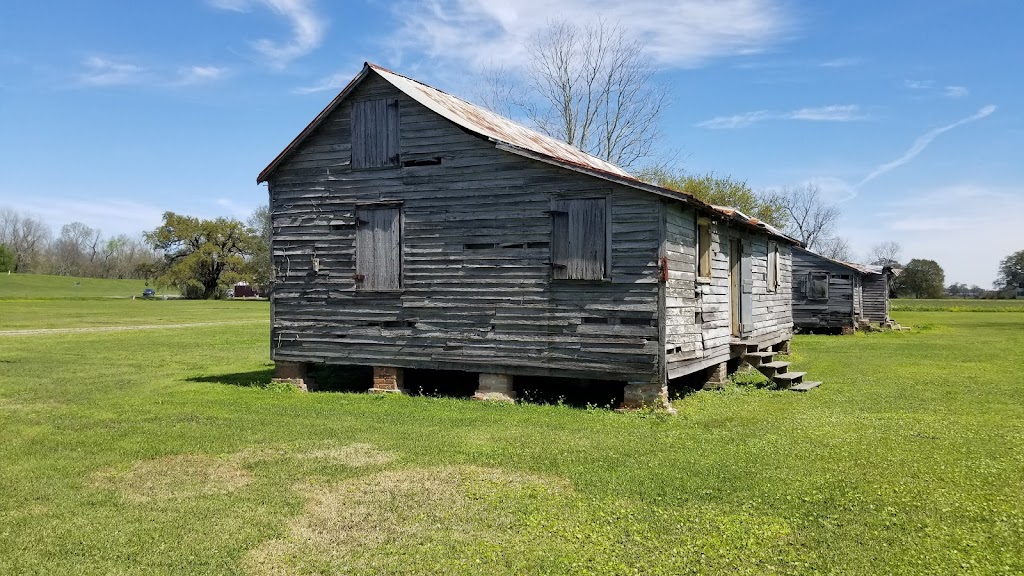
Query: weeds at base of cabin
{"x":752,"y":378}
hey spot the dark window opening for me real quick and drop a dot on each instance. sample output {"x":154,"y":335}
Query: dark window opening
{"x":422,"y":162}
{"x":817,"y":286}
{"x":636,"y":321}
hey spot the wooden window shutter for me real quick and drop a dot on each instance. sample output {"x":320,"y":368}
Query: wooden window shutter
{"x":703,"y":248}
{"x":579,"y":236}
{"x":773,"y":267}
{"x":378,"y":249}
{"x":375,"y":134}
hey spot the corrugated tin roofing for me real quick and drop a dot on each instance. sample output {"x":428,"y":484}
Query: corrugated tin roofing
{"x":512,"y":137}
{"x":486,"y":123}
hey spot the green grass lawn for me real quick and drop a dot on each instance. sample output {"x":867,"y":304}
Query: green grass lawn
{"x":956,"y":305}
{"x":45,"y":286}
{"x":49,"y":314}
{"x":171,"y":454}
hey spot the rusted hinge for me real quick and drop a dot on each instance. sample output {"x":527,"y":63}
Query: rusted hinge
{"x":359,"y":277}
{"x":664,"y":269}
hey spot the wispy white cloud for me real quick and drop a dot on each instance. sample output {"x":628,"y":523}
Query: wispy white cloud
{"x":677,"y":33}
{"x":737,"y":120}
{"x":833,"y":113}
{"x":190,"y":75}
{"x":956,"y":92}
{"x":841,"y":63}
{"x":335,"y":81}
{"x":923,"y":141}
{"x":307,"y":26}
{"x":98,"y":71}
{"x":918,"y":84}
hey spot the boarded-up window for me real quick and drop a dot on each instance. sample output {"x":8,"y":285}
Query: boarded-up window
{"x":703,"y":248}
{"x":378,"y":249}
{"x":773,"y":266}
{"x":375,"y":133}
{"x":579,"y":236}
{"x":817,"y":286}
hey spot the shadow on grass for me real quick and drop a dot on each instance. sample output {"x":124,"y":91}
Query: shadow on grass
{"x":254,"y":379}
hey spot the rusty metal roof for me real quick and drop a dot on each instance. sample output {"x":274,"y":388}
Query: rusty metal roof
{"x":486,"y":123}
{"x":511,"y":137}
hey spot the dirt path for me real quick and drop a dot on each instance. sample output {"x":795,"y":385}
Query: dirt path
{"x":44,"y":331}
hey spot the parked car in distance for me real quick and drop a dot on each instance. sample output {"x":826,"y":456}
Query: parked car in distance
{"x":149,"y":293}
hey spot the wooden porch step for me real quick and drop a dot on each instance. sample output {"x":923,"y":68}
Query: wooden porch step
{"x":789,"y":378}
{"x":804,"y":386}
{"x":770,"y":369}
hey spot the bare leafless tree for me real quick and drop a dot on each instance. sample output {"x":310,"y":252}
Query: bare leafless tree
{"x":26,"y":236}
{"x":811,"y":218}
{"x":887,"y":253}
{"x":589,"y":85}
{"x":835,"y":248}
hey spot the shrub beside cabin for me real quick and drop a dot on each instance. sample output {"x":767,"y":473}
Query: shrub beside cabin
{"x":413,"y":230}
{"x":838,"y":296}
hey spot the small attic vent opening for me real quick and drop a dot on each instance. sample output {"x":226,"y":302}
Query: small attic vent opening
{"x":479,"y":246}
{"x":435,"y":161}
{"x":594,"y":320}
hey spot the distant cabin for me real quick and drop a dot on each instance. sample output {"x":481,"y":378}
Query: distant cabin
{"x":837,"y":296}
{"x":243,"y":290}
{"x":414,"y":230}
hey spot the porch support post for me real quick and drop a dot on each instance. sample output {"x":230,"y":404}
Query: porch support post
{"x":388,"y":380}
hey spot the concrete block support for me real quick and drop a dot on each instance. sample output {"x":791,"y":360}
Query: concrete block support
{"x":387,"y":379}
{"x":294,"y":373}
{"x":782,"y":347}
{"x":495,"y":387}
{"x":718,"y":376}
{"x":640,"y":394}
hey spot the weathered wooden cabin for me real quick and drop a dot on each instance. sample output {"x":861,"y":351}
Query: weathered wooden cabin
{"x":414,"y":230}
{"x":835,"y":295}
{"x":875,"y":287}
{"x":827,"y":293}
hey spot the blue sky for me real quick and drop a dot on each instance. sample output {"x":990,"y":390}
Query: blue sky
{"x":906,"y":113}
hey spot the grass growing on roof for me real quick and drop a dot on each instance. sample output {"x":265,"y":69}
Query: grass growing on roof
{"x":907,"y":460}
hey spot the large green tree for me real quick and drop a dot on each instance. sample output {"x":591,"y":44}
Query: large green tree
{"x":261,"y":265}
{"x":720,"y":191}
{"x":202,"y":257}
{"x":6,"y":259}
{"x":1011,"y":271}
{"x":923,"y":278}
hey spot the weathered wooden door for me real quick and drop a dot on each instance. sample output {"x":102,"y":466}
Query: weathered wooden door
{"x":378,"y":249}
{"x":735,"y":286}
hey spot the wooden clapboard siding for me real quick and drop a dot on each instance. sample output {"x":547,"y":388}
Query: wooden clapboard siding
{"x":840,"y":309}
{"x":477,"y":291}
{"x":876,"y":297}
{"x":697,"y":313}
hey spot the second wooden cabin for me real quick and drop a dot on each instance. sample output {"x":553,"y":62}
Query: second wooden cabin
{"x":832,"y":295}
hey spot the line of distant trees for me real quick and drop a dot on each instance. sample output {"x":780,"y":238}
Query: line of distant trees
{"x":28,"y":245}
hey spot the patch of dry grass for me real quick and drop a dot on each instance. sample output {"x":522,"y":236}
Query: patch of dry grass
{"x":368,"y":524}
{"x":174,"y":477}
{"x":354,"y":455}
